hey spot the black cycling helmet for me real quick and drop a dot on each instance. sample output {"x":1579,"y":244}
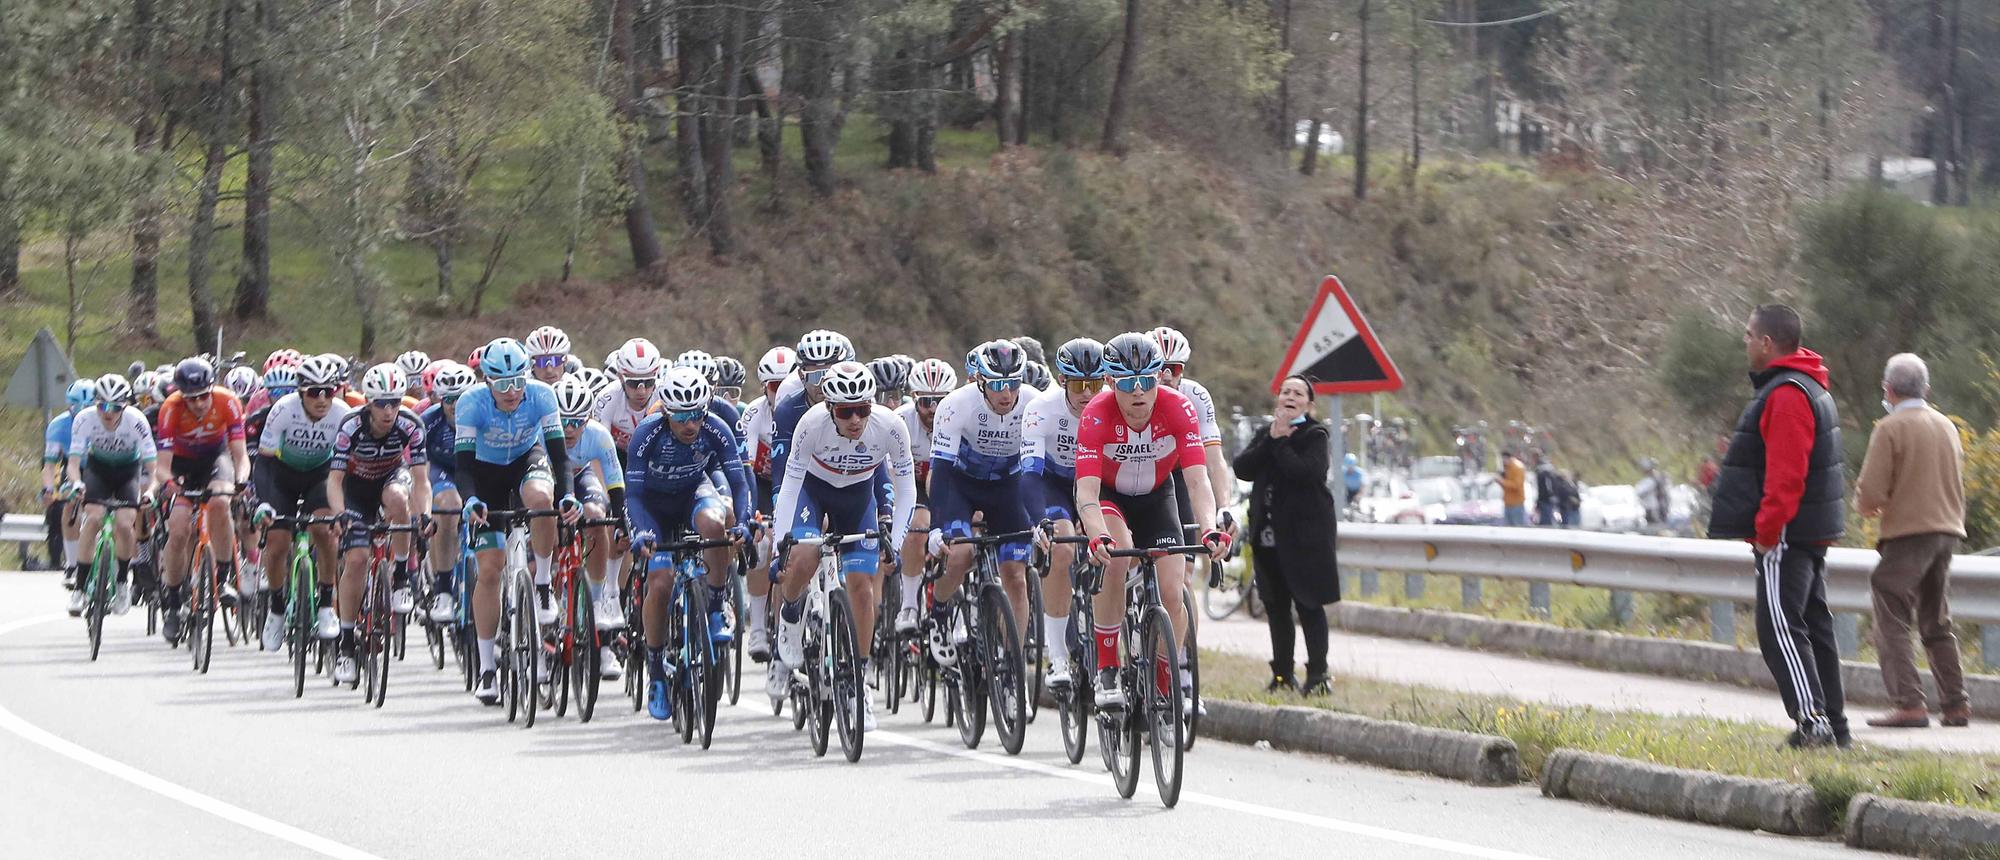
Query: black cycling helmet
{"x":1000,"y":359}
{"x":1081,"y":358}
{"x":1132,"y":354}
{"x":1037,"y":376}
{"x":194,"y":374}
{"x":891,"y":375}
{"x":1031,"y":347}
{"x":729,"y":372}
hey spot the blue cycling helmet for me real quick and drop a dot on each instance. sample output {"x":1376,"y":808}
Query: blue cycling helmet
{"x":1081,"y":358}
{"x":972,"y":364}
{"x":504,"y":358}
{"x":81,"y":393}
{"x":1350,"y":460}
{"x":1000,"y":359}
{"x":1132,"y":354}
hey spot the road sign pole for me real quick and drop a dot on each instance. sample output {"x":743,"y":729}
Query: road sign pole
{"x":1337,"y":480}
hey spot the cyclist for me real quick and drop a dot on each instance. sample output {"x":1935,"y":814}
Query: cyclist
{"x":1174,"y":350}
{"x":929,"y":383}
{"x":1048,"y":480}
{"x":201,"y":445}
{"x":450,"y":382}
{"x":111,"y":454}
{"x":413,"y":365}
{"x":62,"y":527}
{"x":548,"y":351}
{"x":818,"y":351}
{"x":602,"y":491}
{"x":777,"y":364}
{"x":676,"y":456}
{"x":729,"y":379}
{"x":892,"y":380}
{"x":1129,"y":441}
{"x":380,"y":470}
{"x":638,"y":365}
{"x":293,"y":455}
{"x":975,"y":453}
{"x":508,"y":446}
{"x":830,"y":483}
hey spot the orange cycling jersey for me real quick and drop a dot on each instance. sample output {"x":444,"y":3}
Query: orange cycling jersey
{"x":184,"y":434}
{"x":353,"y":398}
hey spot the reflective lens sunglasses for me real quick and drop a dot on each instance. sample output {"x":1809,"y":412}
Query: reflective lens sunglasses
{"x":317,"y":392}
{"x":929,"y":402}
{"x":998,"y":385}
{"x":1130,"y":384}
{"x":111,"y":408}
{"x":202,"y":395}
{"x":850,"y":411}
{"x":386,"y":403}
{"x":544,"y":362}
{"x":685,"y":417}
{"x":509,"y":384}
{"x":814,"y":376}
{"x":641,"y":382}
{"x":1176,"y":368}
{"x":573,"y":423}
{"x":1080,"y":386}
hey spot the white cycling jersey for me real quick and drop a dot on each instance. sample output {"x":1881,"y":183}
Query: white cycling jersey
{"x":128,"y":440}
{"x":920,"y":436}
{"x":819,"y":450}
{"x":1048,"y":433}
{"x":1204,"y":410}
{"x":980,"y":443}
{"x":759,"y":427}
{"x":611,"y":410}
{"x":297,"y":441}
{"x":793,"y":383}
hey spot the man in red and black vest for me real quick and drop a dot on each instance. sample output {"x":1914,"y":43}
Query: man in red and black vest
{"x":1781,"y":488}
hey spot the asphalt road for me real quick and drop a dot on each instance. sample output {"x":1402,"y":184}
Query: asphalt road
{"x":134,"y":756}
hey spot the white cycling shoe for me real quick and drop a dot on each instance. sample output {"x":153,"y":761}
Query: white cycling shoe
{"x":610,"y":616}
{"x":121,"y":602}
{"x":608,"y":666}
{"x":757,"y":641}
{"x":345,"y":670}
{"x":443,"y":607}
{"x":401,"y":600}
{"x":867,"y":713}
{"x":792,"y":643}
{"x":328,"y":625}
{"x":545,"y":605}
{"x":906,"y":620}
{"x":77,"y":601}
{"x":274,"y":631}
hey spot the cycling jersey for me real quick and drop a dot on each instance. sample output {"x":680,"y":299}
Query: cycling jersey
{"x":1137,"y":461}
{"x":662,"y":468}
{"x":368,"y":457}
{"x":296,"y":441}
{"x":1204,"y":410}
{"x":127,"y":441}
{"x":439,"y":435}
{"x":967,"y":435}
{"x":258,"y":402}
{"x":611,"y":410}
{"x":833,"y":460}
{"x":184,"y":435}
{"x":253,"y":426}
{"x":55,"y":439}
{"x":757,"y":429}
{"x":593,"y":445}
{"x":1048,"y":457}
{"x":920,"y":439}
{"x":497,"y":437}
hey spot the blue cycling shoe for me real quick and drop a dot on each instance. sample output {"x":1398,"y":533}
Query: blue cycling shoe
{"x":659,"y":703}
{"x":718,"y":628}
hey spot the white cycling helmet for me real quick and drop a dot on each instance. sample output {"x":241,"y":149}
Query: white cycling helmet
{"x":319,"y":370}
{"x":821,"y":346}
{"x":1174,"y":347}
{"x":698,"y":360}
{"x":848,"y":382}
{"x":572,"y":364}
{"x":638,"y":359}
{"x":547,"y":340}
{"x":413,"y":363}
{"x":594,"y":379}
{"x":339,"y":365}
{"x":573,"y":398}
{"x":453,"y":381}
{"x":384,"y":381}
{"x":112,"y":388}
{"x":241,"y":380}
{"x":777,"y":364}
{"x":684,"y":389}
{"x":934,"y":377}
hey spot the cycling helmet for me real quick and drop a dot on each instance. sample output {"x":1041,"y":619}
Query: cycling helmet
{"x":281,"y":378}
{"x":820,"y":346}
{"x":1174,"y":347}
{"x":81,"y":393}
{"x":384,"y":381}
{"x":573,"y":398}
{"x":848,"y":382}
{"x":142,"y":383}
{"x":338,"y":364}
{"x":283,"y":358}
{"x":135,"y":368}
{"x":318,"y":370}
{"x":777,"y":364}
{"x":890,"y":375}
{"x":1031,"y":348}
{"x":572,"y":364}
{"x":972,"y":365}
{"x":729,"y":372}
{"x":194,"y":374}
{"x":684,"y":389}
{"x":611,"y":361}
{"x":112,"y":388}
{"x":1132,"y":354}
{"x":162,"y":386}
{"x":413,"y":363}
{"x":472,"y":358}
{"x":1081,"y":358}
{"x":1000,"y":359}
{"x":453,"y":381}
{"x":593,"y":379}
{"x":933,"y":377}
{"x":638,"y":359}
{"x":504,"y":359}
{"x":547,"y":340}
{"x":242,"y":381}
{"x":1038,"y":377}
{"x":698,"y":360}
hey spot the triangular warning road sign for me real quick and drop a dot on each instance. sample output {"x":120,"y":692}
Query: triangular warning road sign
{"x":42,"y":377}
{"x":1336,"y":347}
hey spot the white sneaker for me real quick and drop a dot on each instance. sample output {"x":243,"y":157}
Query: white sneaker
{"x":792,"y":642}
{"x":443,"y":607}
{"x":610,"y":616}
{"x":121,"y":601}
{"x":906,"y":620}
{"x":77,"y":601}
{"x":757,"y":642}
{"x":545,"y":605}
{"x":777,"y":681}
{"x":867,"y":714}
{"x":401,"y":601}
{"x":608,"y":666}
{"x":274,"y":631}
{"x":345,"y":671}
{"x":328,"y":624}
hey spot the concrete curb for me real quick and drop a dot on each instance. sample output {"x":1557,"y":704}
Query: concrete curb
{"x":1676,"y":658}
{"x":1467,"y":757}
{"x":1690,"y":795}
{"x":1921,"y":829}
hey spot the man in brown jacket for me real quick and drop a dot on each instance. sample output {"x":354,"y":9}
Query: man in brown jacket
{"x":1912,"y":480}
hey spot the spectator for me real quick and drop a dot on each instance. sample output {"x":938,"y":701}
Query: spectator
{"x":1292,"y":525}
{"x":1352,"y":476}
{"x":1913,"y":479}
{"x":1514,"y":488}
{"x":1782,"y":488}
{"x":1569,"y":499}
{"x":1654,"y":491}
{"x":1545,"y":490}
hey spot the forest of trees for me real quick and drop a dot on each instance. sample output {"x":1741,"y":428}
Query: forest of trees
{"x":132,"y":126}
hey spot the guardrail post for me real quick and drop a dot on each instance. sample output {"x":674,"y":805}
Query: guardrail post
{"x":1722,"y":621}
{"x":1847,"y":633}
{"x":1538,"y":598}
{"x":1371,"y":583}
{"x":1989,"y":646}
{"x":1621,"y":607}
{"x":1468,"y":591}
{"x":1413,"y":586}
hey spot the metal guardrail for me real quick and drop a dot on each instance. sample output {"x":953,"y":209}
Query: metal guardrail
{"x":26,"y":531}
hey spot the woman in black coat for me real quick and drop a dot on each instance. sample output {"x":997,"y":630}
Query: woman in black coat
{"x":1292,"y":522}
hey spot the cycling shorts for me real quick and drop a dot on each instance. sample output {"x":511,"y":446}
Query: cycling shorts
{"x":295,"y":487}
{"x":1152,"y":517}
{"x":674,"y":513}
{"x":1184,"y":507}
{"x":999,"y":499}
{"x":499,"y":485}
{"x":590,"y":490}
{"x":825,"y":508}
{"x":103,"y":483}
{"x":200,"y":473}
{"x":364,"y":497}
{"x":1058,"y":496}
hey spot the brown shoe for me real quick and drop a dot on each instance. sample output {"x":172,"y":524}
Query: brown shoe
{"x":1957,"y":718}
{"x":1902,"y":718}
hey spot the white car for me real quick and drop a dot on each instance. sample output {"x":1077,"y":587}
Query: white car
{"x":1613,"y":508}
{"x":1330,"y":140}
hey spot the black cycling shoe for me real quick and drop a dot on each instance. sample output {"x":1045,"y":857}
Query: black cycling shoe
{"x":170,"y":626}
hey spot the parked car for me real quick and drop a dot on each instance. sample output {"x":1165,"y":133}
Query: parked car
{"x":1435,"y":467}
{"x":1613,"y":508}
{"x":1480,"y":505}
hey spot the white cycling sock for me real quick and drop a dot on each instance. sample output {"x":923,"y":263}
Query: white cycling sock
{"x":69,"y":552}
{"x":597,"y":590}
{"x":542,"y":574}
{"x":913,"y":591}
{"x":485,"y":655}
{"x":1055,"y":636}
{"x":758,"y":605}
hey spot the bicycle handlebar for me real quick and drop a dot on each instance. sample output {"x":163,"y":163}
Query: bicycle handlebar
{"x":693,"y":544}
{"x":991,"y":540}
{"x":837,"y":540}
{"x":1158,"y":552}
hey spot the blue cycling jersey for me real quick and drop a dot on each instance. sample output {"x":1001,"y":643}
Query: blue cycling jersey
{"x":593,"y":442}
{"x":500,"y":437}
{"x":439,"y":434}
{"x":660,"y":465}
{"x":55,"y":440}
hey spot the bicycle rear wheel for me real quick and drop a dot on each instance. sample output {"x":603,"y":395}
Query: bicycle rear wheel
{"x":1222,"y":600}
{"x":850,"y":689}
{"x":584,"y":661}
{"x":1004,"y":676}
{"x":100,"y":587}
{"x":1159,"y":659}
{"x":1118,"y":738}
{"x":699,"y":672}
{"x":818,"y":703}
{"x":1191,"y":660}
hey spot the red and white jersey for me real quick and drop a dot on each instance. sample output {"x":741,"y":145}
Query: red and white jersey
{"x":618,"y":416}
{"x":757,"y":431}
{"x":1136,"y":461}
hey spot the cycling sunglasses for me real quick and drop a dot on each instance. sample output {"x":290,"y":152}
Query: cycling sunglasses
{"x":1080,"y":386}
{"x":1176,"y":368}
{"x":195,"y":395}
{"x":641,"y":382}
{"x":111,"y":408}
{"x":544,"y":362}
{"x":813,"y":377}
{"x":929,"y":402}
{"x":999,"y":385}
{"x":317,"y":392}
{"x":573,"y":423}
{"x":850,"y":411}
{"x":1130,"y":384}
{"x":449,"y":401}
{"x":688,"y":416}
{"x":508,"y":384}
{"x":387,"y":402}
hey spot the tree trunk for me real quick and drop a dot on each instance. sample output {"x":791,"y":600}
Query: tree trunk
{"x":692,"y":61}
{"x":1024,"y":84}
{"x":1416,"y":100}
{"x":1947,"y":117}
{"x":647,"y":254}
{"x":719,"y":108}
{"x":253,"y":272}
{"x":770,"y":129}
{"x":1281,"y":111}
{"x":1361,"y":114}
{"x":809,"y":78}
{"x":10,"y":239}
{"x":142,"y":316}
{"x":1310,"y":162}
{"x":1121,"y":83}
{"x":216,"y":100}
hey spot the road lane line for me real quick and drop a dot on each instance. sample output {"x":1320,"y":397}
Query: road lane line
{"x":31,"y":733}
{"x":1096,"y":777}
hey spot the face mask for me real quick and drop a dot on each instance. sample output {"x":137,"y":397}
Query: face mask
{"x":1888,"y":407}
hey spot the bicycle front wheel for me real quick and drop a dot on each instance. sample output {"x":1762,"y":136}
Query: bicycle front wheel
{"x":1158,"y":674}
{"x":1035,"y":654}
{"x":1005,"y":675}
{"x":585,"y":667}
{"x":850,"y":688}
{"x":201,"y":616}
{"x":382,"y":635}
{"x":100,"y":587}
{"x":300,"y":617}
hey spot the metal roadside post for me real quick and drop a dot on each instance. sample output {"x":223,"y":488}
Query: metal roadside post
{"x":40,"y":382}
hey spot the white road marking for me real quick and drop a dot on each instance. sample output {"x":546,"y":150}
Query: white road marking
{"x":277,"y":829}
{"x":1085,"y":775}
